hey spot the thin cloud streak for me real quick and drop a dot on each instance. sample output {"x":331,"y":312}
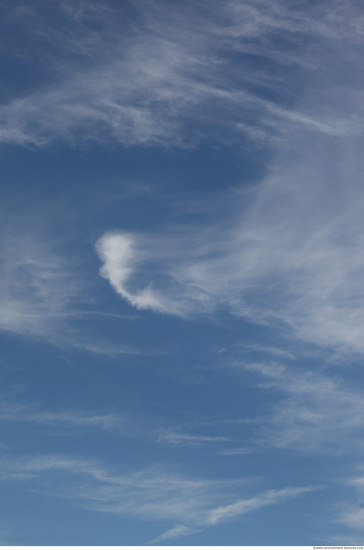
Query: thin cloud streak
{"x":175,"y":532}
{"x":244,"y":506}
{"x":151,"y":494}
{"x":112,"y":423}
{"x":175,"y":438}
{"x":236,"y":451}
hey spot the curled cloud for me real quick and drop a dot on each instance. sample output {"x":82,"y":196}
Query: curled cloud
{"x":119,"y":256}
{"x":292,"y":256}
{"x":127,"y":262}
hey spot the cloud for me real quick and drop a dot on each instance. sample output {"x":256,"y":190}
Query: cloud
{"x":158,"y":73}
{"x":350,"y":511}
{"x":226,"y":513}
{"x":37,"y":287}
{"x":317,"y":413}
{"x":308,"y":411}
{"x":45,"y":292}
{"x":353,"y":518}
{"x":291,"y":255}
{"x":235,"y":451}
{"x":148,"y":494}
{"x":189,"y":440}
{"x":120,"y":425}
{"x":110,"y":423}
{"x":243,"y":506}
{"x":125,"y":260}
{"x":175,"y":532}
{"x":119,"y":257}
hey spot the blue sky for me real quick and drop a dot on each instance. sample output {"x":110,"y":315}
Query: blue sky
{"x":181,"y":264}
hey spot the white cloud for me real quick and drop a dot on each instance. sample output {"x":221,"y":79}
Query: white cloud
{"x":111,"y":423}
{"x":235,"y":451}
{"x":45,"y":292}
{"x":141,"y":80}
{"x":293,"y":255}
{"x":119,"y":256}
{"x":310,"y":411}
{"x":247,"y":505}
{"x":353,"y":518}
{"x":37,"y":288}
{"x":124,"y":259}
{"x":176,"y":438}
{"x":350,"y":511}
{"x":149,"y":494}
{"x":317,"y":413}
{"x":175,"y":532}
{"x":121,"y":425}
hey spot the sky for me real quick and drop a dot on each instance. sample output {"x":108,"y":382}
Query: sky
{"x":181,"y":272}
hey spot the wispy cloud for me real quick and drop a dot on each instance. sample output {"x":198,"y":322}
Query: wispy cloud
{"x":238,"y":508}
{"x":175,"y":532}
{"x":37,"y":287}
{"x":175,"y":438}
{"x":316,"y":413}
{"x":152,"y":68}
{"x":45,"y":292}
{"x":150,"y":494}
{"x":247,"y":505}
{"x":350,"y":510}
{"x":111,"y":423}
{"x":313,"y":412}
{"x":235,"y":451}
{"x":292,"y":256}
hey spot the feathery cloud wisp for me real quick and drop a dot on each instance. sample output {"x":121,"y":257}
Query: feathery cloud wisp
{"x":36,"y":290}
{"x":318,"y":413}
{"x":153,"y":69}
{"x":151,"y":494}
